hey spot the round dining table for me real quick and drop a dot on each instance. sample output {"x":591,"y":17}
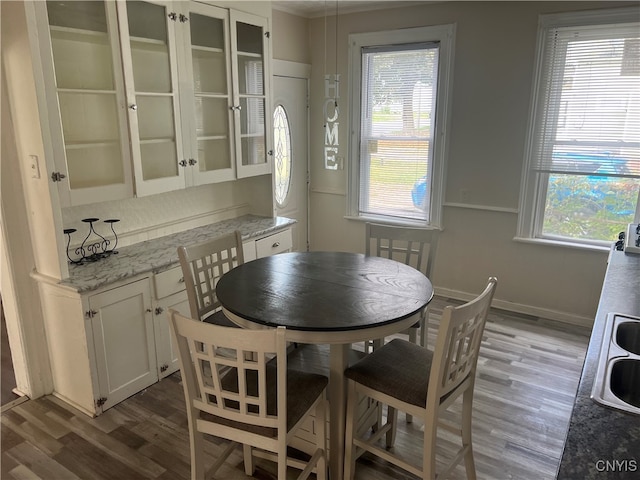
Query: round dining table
{"x":334,"y":298}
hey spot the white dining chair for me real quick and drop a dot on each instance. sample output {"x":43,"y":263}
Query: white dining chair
{"x":248,"y":397}
{"x":415,"y":247}
{"x":202,"y":266}
{"x":423,"y":383}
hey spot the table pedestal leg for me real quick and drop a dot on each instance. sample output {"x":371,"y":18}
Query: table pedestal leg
{"x":339,"y":360}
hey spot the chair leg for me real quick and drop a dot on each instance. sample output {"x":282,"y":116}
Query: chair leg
{"x":197,"y":456}
{"x":424,"y":328}
{"x":413,"y":335}
{"x":429,"y":453}
{"x":467,"y":404}
{"x":413,"y":338}
{"x":349,"y":451}
{"x":321,"y":439}
{"x":392,"y":418}
{"x":249,"y":467}
{"x":282,"y":464}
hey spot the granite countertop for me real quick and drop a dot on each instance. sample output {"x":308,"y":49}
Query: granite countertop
{"x":604,"y":443}
{"x":161,"y":253}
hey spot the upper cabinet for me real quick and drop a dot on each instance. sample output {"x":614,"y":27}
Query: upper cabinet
{"x":148,"y":37}
{"x":207,"y":100}
{"x":249,"y":41}
{"x":144,"y":97}
{"x":84,"y":94}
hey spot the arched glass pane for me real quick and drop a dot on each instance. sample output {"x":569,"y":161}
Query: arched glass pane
{"x":282,"y":155}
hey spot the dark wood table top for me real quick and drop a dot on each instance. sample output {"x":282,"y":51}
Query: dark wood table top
{"x":324,"y":291}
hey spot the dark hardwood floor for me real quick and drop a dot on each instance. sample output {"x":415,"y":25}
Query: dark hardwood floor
{"x":527,"y":377}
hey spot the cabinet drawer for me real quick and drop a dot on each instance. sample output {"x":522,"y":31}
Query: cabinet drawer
{"x":276,"y":243}
{"x":169,"y":282}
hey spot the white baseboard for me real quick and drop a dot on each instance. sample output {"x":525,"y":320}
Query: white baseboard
{"x":549,"y":314}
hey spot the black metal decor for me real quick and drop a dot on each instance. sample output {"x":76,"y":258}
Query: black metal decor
{"x":94,"y":246}
{"x":111,"y":221}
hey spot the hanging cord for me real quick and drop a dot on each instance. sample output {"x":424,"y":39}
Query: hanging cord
{"x":336,"y":39}
{"x":324,"y":64}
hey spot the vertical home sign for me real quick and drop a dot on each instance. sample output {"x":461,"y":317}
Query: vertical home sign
{"x":331,"y":124}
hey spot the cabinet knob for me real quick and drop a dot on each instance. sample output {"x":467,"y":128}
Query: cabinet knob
{"x":192,"y":161}
{"x":182,"y":163}
{"x":236,"y":108}
{"x":172,"y":16}
{"x":275,"y":245}
{"x":133,"y":107}
{"x":159,"y":310}
{"x":184,"y":18}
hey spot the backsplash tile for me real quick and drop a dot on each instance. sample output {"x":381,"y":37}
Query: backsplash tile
{"x":146,"y":218}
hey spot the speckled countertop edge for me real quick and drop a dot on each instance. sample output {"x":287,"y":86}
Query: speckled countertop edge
{"x":161,"y":253}
{"x":598,"y":434}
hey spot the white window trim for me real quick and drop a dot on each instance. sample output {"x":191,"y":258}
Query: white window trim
{"x":533,"y":186}
{"x":445,"y":34}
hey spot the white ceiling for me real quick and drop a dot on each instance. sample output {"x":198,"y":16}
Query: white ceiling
{"x":319,"y":8}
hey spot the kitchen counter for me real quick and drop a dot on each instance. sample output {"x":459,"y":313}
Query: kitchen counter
{"x":604,"y":443}
{"x":161,"y":253}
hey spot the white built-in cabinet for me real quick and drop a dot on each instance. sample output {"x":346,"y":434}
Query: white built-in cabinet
{"x":108,"y":344}
{"x":145,"y":97}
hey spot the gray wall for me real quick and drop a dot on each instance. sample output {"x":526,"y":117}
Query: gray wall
{"x":493,"y":69}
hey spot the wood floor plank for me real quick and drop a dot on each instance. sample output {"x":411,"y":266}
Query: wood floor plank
{"x":36,"y":414}
{"x":84,"y":428}
{"x":40,"y":464}
{"x":528,"y":374}
{"x":31,"y":433}
{"x":7,"y":463}
{"x":92,"y":463}
{"x":22,"y":472}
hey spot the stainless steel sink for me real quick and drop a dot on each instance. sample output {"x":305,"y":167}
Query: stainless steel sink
{"x":617,"y":382}
{"x":628,"y":337}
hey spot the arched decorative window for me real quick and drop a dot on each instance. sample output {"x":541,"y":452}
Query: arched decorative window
{"x":282,"y":149}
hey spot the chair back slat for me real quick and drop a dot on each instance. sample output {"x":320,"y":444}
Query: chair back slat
{"x":458,"y":343}
{"x":415,"y":247}
{"x":226,"y":374}
{"x":203,"y":265}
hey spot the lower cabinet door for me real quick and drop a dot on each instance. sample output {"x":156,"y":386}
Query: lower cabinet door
{"x":123,"y":336}
{"x":166,"y":347}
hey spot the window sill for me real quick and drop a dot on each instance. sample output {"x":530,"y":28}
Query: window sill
{"x":392,"y":221}
{"x":564,"y":244}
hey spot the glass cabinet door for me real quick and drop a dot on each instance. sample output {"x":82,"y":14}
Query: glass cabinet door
{"x":88,"y":85}
{"x":250,"y":40}
{"x":151,"y":81}
{"x":208,"y":89}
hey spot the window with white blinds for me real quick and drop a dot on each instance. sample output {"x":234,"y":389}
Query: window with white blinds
{"x":399,"y":109}
{"x":583,"y":178}
{"x":590,"y":101}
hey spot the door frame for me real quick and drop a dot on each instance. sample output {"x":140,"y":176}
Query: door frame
{"x":285,"y":68}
